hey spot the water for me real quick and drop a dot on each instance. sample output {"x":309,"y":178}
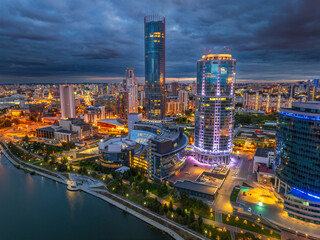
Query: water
{"x":33,"y":207}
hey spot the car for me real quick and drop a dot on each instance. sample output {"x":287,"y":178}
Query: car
{"x":249,"y":209}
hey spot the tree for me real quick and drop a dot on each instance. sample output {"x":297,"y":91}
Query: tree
{"x":64,"y":159}
{"x":25,"y":138}
{"x":46,"y":158}
{"x":165,"y":208}
{"x":191,"y":216}
{"x":184,"y":197}
{"x":171,"y":206}
{"x":62,"y":167}
{"x":179,"y":211}
{"x":200,"y":221}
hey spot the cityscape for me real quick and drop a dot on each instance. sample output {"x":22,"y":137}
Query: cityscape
{"x":205,"y":147}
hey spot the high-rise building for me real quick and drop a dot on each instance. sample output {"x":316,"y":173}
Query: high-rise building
{"x":122,"y":104}
{"x":154,"y":35}
{"x":184,"y":99}
{"x":297,"y":161}
{"x":175,"y":87}
{"x":214,"y":108}
{"x":68,"y":109}
{"x":132,"y":90}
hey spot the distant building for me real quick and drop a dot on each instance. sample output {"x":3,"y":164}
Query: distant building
{"x":68,"y":109}
{"x":94,"y":113}
{"x":184,"y":99}
{"x":132,"y":90}
{"x":122,"y":104}
{"x":154,"y":35}
{"x":68,"y":130}
{"x":174,"y":88}
{"x":214,"y":108}
{"x":297,"y":160}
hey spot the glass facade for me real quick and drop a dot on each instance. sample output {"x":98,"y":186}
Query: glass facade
{"x":214,"y":108}
{"x":154,"y":33}
{"x":297,"y":160}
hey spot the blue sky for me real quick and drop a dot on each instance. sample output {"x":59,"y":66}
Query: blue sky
{"x":57,"y":41}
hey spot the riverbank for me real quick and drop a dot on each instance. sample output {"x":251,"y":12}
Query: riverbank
{"x":186,"y":233}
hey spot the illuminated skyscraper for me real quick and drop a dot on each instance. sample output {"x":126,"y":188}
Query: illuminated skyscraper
{"x":297,"y":161}
{"x":154,"y":34}
{"x":68,"y":109}
{"x":214,"y":108}
{"x":132,"y":90}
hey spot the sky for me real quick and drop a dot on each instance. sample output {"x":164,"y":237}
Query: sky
{"x":96,"y":40}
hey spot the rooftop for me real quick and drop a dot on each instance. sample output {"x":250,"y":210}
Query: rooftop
{"x":111,"y":121}
{"x":196,"y":187}
{"x":263,"y":152}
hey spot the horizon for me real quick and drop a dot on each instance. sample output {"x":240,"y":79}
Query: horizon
{"x":99,"y":40}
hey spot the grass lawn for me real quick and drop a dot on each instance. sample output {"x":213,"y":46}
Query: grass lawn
{"x":249,"y":225}
{"x":234,"y":194}
{"x":213,"y":233}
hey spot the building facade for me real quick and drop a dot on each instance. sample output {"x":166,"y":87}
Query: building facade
{"x":132,"y":90}
{"x":68,"y":108}
{"x":214,"y":108}
{"x":297,"y":160}
{"x":122,"y":104}
{"x":154,"y":33}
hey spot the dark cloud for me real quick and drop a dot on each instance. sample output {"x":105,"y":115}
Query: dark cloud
{"x":48,"y":40}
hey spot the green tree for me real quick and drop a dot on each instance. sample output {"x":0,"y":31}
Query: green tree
{"x":191,"y":216}
{"x":171,"y":206}
{"x":64,"y":159}
{"x":200,"y":220}
{"x":165,"y":208}
{"x":46,"y":158}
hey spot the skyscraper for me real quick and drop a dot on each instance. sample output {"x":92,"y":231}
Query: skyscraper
{"x":214,"y":108}
{"x":132,"y":90}
{"x":122,"y":104}
{"x":68,"y":109}
{"x":297,"y":161}
{"x":154,"y":35}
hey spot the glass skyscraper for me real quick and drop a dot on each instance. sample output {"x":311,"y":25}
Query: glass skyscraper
{"x":297,"y":160}
{"x":214,"y":108}
{"x":154,"y":34}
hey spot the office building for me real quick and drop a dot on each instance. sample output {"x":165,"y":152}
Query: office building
{"x":122,"y":104}
{"x":132,"y":89}
{"x":163,"y":149}
{"x":214,"y":108}
{"x":154,"y":34}
{"x":68,"y":109}
{"x":297,"y":160}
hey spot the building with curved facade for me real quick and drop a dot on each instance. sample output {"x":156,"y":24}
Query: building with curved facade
{"x":297,"y":160}
{"x":164,"y":148}
{"x":154,"y":35}
{"x":214,"y":108}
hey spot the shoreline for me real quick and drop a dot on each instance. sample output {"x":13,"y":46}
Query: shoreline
{"x":119,"y":205}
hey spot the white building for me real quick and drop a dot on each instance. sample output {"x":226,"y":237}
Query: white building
{"x":132,"y":89}
{"x":132,"y":119}
{"x":184,"y":98}
{"x":262,"y":156}
{"x":68,"y":109}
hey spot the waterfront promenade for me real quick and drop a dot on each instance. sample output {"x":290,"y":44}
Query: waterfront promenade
{"x":62,"y":179}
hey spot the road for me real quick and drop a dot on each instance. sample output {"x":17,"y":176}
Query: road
{"x":240,"y":170}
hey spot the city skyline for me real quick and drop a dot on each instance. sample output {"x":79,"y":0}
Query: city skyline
{"x":83,"y":47}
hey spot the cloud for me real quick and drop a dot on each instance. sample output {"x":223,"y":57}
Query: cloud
{"x":48,"y":40}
